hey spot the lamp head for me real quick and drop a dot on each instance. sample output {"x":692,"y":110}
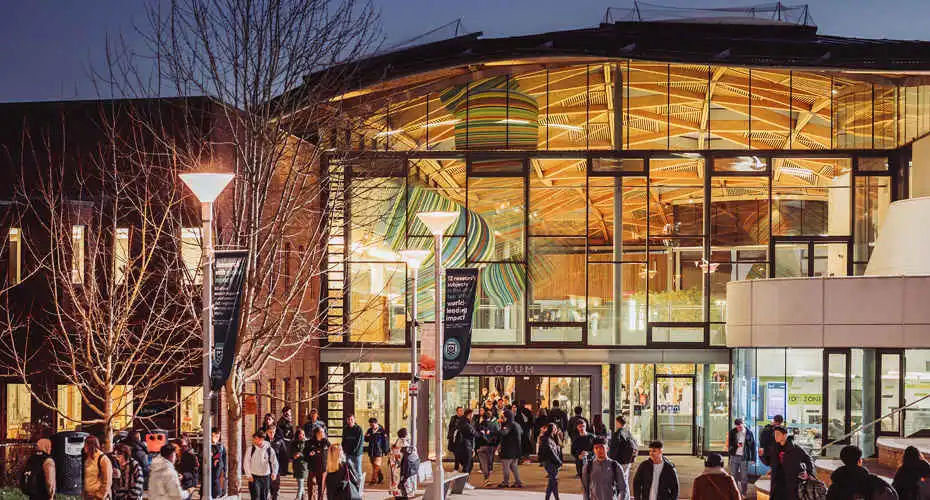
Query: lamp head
{"x":207,"y":186}
{"x":437,"y":222}
{"x":413,"y":258}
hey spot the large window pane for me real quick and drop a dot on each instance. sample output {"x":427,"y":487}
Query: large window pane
{"x":557,"y":280}
{"x":617,"y":303}
{"x":376,"y":216}
{"x":377,"y":305}
{"x":890,"y":396}
{"x":500,"y":203}
{"x":558,"y":198}
{"x":502,"y":290}
{"x":647,"y":101}
{"x":873,"y":196}
{"x":916,"y":386}
{"x":77,"y":254}
{"x":191,"y":409}
{"x":728,"y":110}
{"x":18,"y":411}
{"x":836,"y":396}
{"x":69,"y":408}
{"x":804,"y":368}
{"x":122,"y":407}
{"x":811,"y":196}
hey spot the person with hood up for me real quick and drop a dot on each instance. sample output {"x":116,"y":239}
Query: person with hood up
{"x":912,"y":475}
{"x":486,"y":441}
{"x":164,"y":483}
{"x":656,"y":478}
{"x":714,"y":483}
{"x":851,"y":478}
{"x":510,"y":449}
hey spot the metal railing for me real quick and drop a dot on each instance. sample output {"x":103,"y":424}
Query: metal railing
{"x":842,"y":439}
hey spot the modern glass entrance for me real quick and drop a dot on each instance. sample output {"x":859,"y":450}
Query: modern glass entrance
{"x":675,"y":413}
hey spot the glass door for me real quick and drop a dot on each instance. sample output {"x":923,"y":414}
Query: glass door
{"x":370,"y":401}
{"x":836,"y":401}
{"x":890,"y":381}
{"x":800,"y":257}
{"x":399,"y":404}
{"x":675,"y":413}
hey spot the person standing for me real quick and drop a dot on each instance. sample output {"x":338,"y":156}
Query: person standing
{"x":598,"y":428}
{"x":486,"y":441}
{"x":38,"y":480}
{"x":342,"y":482}
{"x":788,"y":461}
{"x":913,"y":472}
{"x":465,"y":444}
{"x":525,"y":420}
{"x":451,"y":437}
{"x":260,"y":466}
{"x":402,"y":484}
{"x":573,"y":422}
{"x":268,"y":422}
{"x":129,"y":482}
{"x":188,"y":466}
{"x":353,"y":444}
{"x":741,"y":449}
{"x":164,"y":483}
{"x":284,"y":434}
{"x":550,"y":456}
{"x":313,"y":421}
{"x":377,"y":440}
{"x":714,"y":483}
{"x":510,"y":449}
{"x":299,"y":462}
{"x":656,"y":478}
{"x":623,"y":447}
{"x":767,"y":444}
{"x":140,"y":453}
{"x":582,"y":445}
{"x":98,"y":471}
{"x":316,"y":452}
{"x":602,"y":478}
{"x":218,"y":469}
{"x":558,"y":417}
{"x":277,"y":448}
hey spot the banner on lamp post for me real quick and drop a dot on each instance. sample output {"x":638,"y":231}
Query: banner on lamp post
{"x":461,"y":287}
{"x":228,"y":279}
{"x":427,"y":348}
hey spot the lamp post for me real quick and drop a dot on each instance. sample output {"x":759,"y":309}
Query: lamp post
{"x":414,"y":259}
{"x":438,"y":222}
{"x":206,"y":187}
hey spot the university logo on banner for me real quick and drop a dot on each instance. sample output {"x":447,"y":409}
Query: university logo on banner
{"x":228,"y":279}
{"x":461,"y":287}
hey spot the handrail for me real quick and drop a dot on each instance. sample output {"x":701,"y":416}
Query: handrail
{"x":872,"y":423}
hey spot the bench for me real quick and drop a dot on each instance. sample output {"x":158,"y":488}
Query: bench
{"x":453,"y":484}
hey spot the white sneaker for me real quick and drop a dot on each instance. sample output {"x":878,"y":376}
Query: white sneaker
{"x":468,"y":486}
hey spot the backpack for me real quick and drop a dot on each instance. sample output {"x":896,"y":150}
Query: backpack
{"x":812,"y":489}
{"x":626,"y":447}
{"x":410,"y":463}
{"x":32,"y":478}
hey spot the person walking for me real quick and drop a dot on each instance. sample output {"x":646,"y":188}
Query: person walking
{"x":602,"y":478}
{"x":378,"y":448}
{"x":582,"y":445}
{"x":741,"y":450}
{"x":342,"y":481}
{"x":510,"y":449}
{"x":623,"y":447}
{"x":714,"y":483}
{"x":787,"y":461}
{"x":353,"y":443}
{"x":550,"y":456}
{"x":598,"y":428}
{"x":277,"y":448}
{"x":98,"y":471}
{"x":465,"y":444}
{"x":313,"y":420}
{"x":188,"y":466}
{"x":299,"y":465}
{"x":486,"y":440}
{"x":912,"y":476}
{"x":403,"y":484}
{"x":284,"y":434}
{"x":128,"y":484}
{"x":767,"y":444}
{"x":451,"y":437}
{"x":656,"y":478}
{"x":141,"y":454}
{"x":268,"y":422}
{"x":38,"y":479}
{"x":260,"y":466}
{"x":557,"y":416}
{"x":164,"y":483}
{"x":525,"y":418}
{"x":316,"y":451}
{"x":573,"y":422}
{"x":219,"y":465}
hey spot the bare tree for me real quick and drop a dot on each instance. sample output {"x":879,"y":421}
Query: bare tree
{"x":253,"y":57}
{"x":100,"y":229}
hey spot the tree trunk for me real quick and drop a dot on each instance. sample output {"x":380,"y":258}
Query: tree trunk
{"x":107,"y":443}
{"x":234,"y":434}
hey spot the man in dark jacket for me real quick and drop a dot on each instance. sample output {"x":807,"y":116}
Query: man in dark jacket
{"x":623,"y":447}
{"x":525,"y":419}
{"x":140,"y":454}
{"x":284,"y":434}
{"x":786,"y":466}
{"x":352,"y":444}
{"x":465,"y":442}
{"x":557,"y":416}
{"x":741,"y":448}
{"x":767,"y":440}
{"x":582,"y":446}
{"x":573,"y":422}
{"x":450,"y":436}
{"x":666,"y":487}
{"x":278,"y":448}
{"x":313,"y":421}
{"x":850,"y":479}
{"x":218,"y":467}
{"x":510,"y":449}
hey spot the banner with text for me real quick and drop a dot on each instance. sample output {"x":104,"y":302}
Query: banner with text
{"x":228,"y":279}
{"x":461,"y":287}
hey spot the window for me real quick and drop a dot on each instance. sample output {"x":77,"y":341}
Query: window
{"x":15,"y":269}
{"x":69,"y":408}
{"x":191,"y":409}
{"x":18,"y":411}
{"x":77,"y":254}
{"x":120,"y":254}
{"x":121,"y":397}
{"x":192,"y":253}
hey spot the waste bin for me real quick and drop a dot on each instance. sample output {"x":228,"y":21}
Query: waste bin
{"x":69,"y":467}
{"x":155,"y":439}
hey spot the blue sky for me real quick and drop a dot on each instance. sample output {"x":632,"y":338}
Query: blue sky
{"x":47,"y":45}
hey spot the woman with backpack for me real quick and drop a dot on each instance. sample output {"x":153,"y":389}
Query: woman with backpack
{"x":403,"y":483}
{"x":315,"y":453}
{"x":128,"y":482}
{"x":98,"y":471}
{"x":910,"y":478}
{"x":342,"y":483}
{"x":550,"y":455}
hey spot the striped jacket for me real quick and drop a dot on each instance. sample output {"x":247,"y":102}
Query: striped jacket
{"x":128,"y":486}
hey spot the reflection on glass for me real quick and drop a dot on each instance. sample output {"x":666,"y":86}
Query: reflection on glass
{"x":499,"y":201}
{"x":18,"y":411}
{"x":873,"y":196}
{"x":916,"y":386}
{"x":499,"y":316}
{"x":675,"y":413}
{"x":836,"y":396}
{"x":400,"y":407}
{"x":69,"y":408}
{"x":890,"y":392}
{"x":369,"y":401}
{"x":377,"y":302}
{"x":191,"y":408}
{"x":811,"y":196}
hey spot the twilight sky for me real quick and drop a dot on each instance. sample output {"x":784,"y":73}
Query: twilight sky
{"x":46,"y":45}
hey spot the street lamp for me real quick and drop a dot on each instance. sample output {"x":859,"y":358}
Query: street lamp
{"x":438,"y":222}
{"x":414,"y":259}
{"x":206,"y":187}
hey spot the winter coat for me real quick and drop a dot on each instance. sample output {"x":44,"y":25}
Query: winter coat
{"x":163,"y":480}
{"x":550,"y":452}
{"x":525,"y":419}
{"x":749,"y":445}
{"x":573,"y":425}
{"x":315,"y":451}
{"x":787,"y":466}
{"x":299,"y":464}
{"x":352,"y":441}
{"x":511,"y":439}
{"x":609,"y":485}
{"x":767,"y":444}
{"x":377,"y":440}
{"x":714,"y":484}
{"x":129,"y":485}
{"x":581,"y":443}
{"x":487,"y":433}
{"x":218,"y":470}
{"x":283,"y":436}
{"x":189,"y":469}
{"x":846,"y":481}
{"x":538,"y":425}
{"x":907,"y":479}
{"x":622,"y":447}
{"x":141,"y":455}
{"x":310,"y":426}
{"x":337,"y":484}
{"x":558,"y":417}
{"x":668,"y":481}
{"x":465,"y":440}
{"x":450,"y":433}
